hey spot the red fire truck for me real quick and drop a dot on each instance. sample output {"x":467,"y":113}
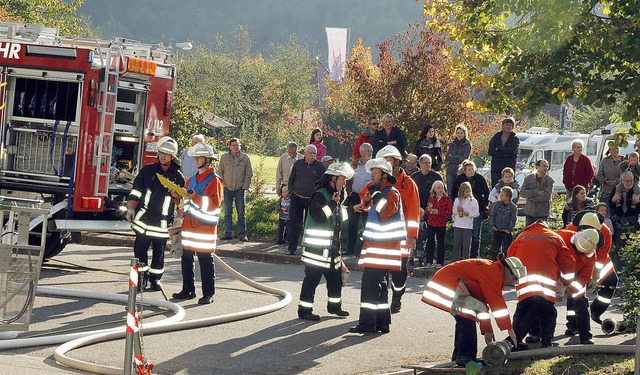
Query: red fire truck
{"x":80,"y":117}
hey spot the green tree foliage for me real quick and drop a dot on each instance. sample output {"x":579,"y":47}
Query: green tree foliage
{"x":630,"y":271}
{"x":527,"y":54}
{"x":51,"y":13}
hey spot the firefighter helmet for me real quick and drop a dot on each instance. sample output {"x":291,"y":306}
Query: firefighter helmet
{"x":515,"y":266}
{"x":380,"y":163}
{"x":168,"y":145}
{"x":389,"y":150}
{"x":586,"y":241}
{"x":340,"y":169}
{"x":202,"y":149}
{"x":588,"y":219}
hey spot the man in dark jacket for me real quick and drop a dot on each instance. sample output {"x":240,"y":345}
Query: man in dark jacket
{"x":503,"y":149}
{"x":480,"y":191}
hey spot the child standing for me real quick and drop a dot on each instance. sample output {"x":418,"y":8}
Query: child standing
{"x":283,"y":213}
{"x":507,"y":180}
{"x":465,"y":209}
{"x":502,"y":221}
{"x":439,"y":209}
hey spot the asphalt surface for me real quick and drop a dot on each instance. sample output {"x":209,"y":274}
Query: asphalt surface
{"x":276,"y":343}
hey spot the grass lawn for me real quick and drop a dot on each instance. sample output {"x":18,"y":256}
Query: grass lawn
{"x":264,"y":167}
{"x":607,"y":364}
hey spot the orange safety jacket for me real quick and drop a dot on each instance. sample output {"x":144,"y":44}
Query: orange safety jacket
{"x":604,"y":266}
{"x":547,"y":259}
{"x":390,"y":224}
{"x":410,"y":207}
{"x":584,"y":266}
{"x":483,"y":278}
{"x":201,"y":214}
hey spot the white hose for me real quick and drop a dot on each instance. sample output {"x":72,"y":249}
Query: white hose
{"x":165,"y":326}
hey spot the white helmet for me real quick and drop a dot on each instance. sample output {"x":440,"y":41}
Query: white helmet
{"x":168,"y":145}
{"x":380,"y":163}
{"x":586,"y":241}
{"x":340,"y":169}
{"x":389,"y":150}
{"x":515,"y":266}
{"x":202,"y":149}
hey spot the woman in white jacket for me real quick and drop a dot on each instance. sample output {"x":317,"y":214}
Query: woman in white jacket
{"x":465,"y":209}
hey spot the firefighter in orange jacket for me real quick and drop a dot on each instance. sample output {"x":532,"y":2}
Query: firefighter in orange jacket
{"x":411,"y":210}
{"x":200,"y":225}
{"x":468,"y":289}
{"x":605,"y":273}
{"x":548,"y":260}
{"x":383,"y":232}
{"x":583,"y":245}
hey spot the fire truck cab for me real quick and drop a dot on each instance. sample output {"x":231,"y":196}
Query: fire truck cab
{"x":80,"y":117}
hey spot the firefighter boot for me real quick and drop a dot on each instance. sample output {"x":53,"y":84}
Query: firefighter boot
{"x":156,"y":285}
{"x":307,"y":314}
{"x":396,"y":304}
{"x":143,"y":279}
{"x":336,"y":309}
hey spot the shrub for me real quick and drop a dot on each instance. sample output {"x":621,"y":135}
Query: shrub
{"x":629,"y":271}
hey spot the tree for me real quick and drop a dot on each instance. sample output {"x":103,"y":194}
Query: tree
{"x":527,"y":54}
{"x":51,"y":13}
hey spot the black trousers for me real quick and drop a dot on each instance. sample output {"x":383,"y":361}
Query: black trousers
{"x":421,"y":241}
{"x":353,"y":225}
{"x":531,"y":310}
{"x":374,"y":299}
{"x":312,"y":277}
{"x":578,"y":317}
{"x":501,"y":243}
{"x":297,"y":210}
{"x":282,"y":230}
{"x":435,"y":235}
{"x":141,"y":251}
{"x":603,"y":299}
{"x":399,"y":282}
{"x":207,"y":272}
{"x":465,"y":345}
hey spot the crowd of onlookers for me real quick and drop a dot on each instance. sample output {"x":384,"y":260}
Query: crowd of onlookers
{"x":452,"y":190}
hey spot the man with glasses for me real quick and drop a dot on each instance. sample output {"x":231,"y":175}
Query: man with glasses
{"x":368,"y":135}
{"x":424,"y":178}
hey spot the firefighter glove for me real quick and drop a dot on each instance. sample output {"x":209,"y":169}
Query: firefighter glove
{"x":131,"y":212}
{"x":592,"y":286}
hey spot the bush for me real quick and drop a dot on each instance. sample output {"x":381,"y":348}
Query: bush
{"x":629,"y":271}
{"x":261,"y":217}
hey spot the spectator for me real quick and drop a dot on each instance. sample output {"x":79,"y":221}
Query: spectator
{"x":480,"y":193}
{"x":578,"y":169}
{"x":316,"y":140}
{"x":360,"y":179}
{"x":578,"y":202}
{"x":609,"y":172}
{"x":458,"y":151}
{"x":391,"y":135}
{"x":283,"y":215}
{"x":424,"y":178}
{"x":327,"y":160}
{"x":623,"y":205}
{"x":302,"y":180}
{"x":428,"y":144}
{"x":603,"y":209}
{"x":189,"y":167}
{"x":439,"y":211}
{"x":411,"y":164}
{"x":502,"y":221}
{"x":537,"y":189}
{"x":284,"y":166}
{"x":631,"y":164}
{"x":465,"y":210}
{"x":368,"y":135}
{"x":503,"y":148}
{"x":236,"y":173}
{"x":507,"y":180}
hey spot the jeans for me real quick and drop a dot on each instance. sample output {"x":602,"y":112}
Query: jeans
{"x":451,"y":180}
{"x":475,"y":236}
{"x":230,"y":197}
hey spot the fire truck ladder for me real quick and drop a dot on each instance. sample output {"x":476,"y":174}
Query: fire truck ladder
{"x":106,"y":108}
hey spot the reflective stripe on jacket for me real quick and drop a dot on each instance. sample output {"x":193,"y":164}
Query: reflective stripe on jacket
{"x":584,"y":266}
{"x":604,"y":266}
{"x":201,"y":214}
{"x":318,"y":235}
{"x":410,"y":197}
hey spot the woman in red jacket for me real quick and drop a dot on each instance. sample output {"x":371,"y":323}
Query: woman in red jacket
{"x":578,"y":169}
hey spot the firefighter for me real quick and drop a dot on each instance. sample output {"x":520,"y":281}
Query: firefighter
{"x":411,"y":210}
{"x":150,"y":209}
{"x":200,"y":225}
{"x":606,"y":277}
{"x":583,"y":245}
{"x":468,"y":289}
{"x":321,"y":241}
{"x":383,"y":232}
{"x":548,"y":260}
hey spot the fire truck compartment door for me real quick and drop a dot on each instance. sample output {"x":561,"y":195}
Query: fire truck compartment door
{"x":50,"y":75}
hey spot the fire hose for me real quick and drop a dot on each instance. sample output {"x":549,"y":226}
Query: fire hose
{"x":78,"y":340}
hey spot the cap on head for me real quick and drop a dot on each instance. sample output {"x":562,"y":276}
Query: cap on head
{"x":340,"y":169}
{"x":380,"y":163}
{"x":389,"y":150}
{"x":202,"y":149}
{"x":327,"y":158}
{"x":515,"y":266}
{"x":586,"y":241}
{"x":168,"y":145}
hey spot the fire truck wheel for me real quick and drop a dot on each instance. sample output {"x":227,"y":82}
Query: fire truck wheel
{"x":54,"y":244}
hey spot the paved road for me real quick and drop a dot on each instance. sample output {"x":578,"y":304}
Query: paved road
{"x":277,"y":343}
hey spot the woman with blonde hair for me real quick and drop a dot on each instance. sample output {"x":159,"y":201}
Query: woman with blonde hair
{"x":465,"y":210}
{"x":391,"y":135}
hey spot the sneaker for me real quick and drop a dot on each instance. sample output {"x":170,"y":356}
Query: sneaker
{"x":184,"y":295}
{"x":244,"y":239}
{"x":205,"y":300}
{"x":309,"y":316}
{"x":363,"y":328}
{"x":438,"y":266}
{"x":225,"y":238}
{"x":587,"y":342}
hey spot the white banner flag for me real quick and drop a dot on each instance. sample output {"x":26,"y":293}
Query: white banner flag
{"x":337,"y":47}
